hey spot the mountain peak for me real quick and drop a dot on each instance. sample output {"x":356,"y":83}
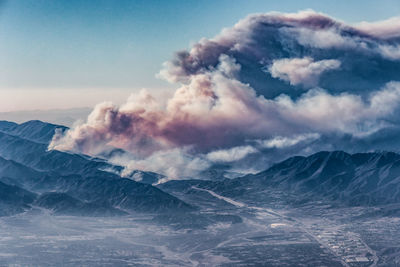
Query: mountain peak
{"x":34,"y":130}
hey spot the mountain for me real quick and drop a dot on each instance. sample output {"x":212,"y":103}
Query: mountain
{"x":35,"y":155}
{"x":350,"y":179}
{"x":14,"y":173}
{"x":26,"y":162}
{"x":362,"y":178}
{"x":65,"y":117}
{"x":14,"y":199}
{"x":5,"y":125}
{"x":35,"y":130}
{"x":63,"y":204}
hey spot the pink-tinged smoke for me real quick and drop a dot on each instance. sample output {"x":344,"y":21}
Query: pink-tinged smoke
{"x":212,"y":111}
{"x":216,"y":110}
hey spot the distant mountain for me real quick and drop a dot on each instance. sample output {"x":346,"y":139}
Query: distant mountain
{"x":37,"y":131}
{"x":25,"y":162}
{"x":6,"y":125}
{"x":65,"y":117}
{"x":351,"y":179}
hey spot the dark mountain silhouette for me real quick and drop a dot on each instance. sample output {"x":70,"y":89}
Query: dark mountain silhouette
{"x":25,"y":162}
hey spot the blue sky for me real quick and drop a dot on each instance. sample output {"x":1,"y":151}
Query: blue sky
{"x":108,"y":49}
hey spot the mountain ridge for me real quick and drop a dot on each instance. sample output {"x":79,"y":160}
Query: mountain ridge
{"x":29,"y":165}
{"x":33,"y":130}
{"x":370,"y":178}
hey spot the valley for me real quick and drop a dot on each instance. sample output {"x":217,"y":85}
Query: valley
{"x":263,"y":237}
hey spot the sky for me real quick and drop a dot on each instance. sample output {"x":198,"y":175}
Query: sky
{"x":68,"y":54}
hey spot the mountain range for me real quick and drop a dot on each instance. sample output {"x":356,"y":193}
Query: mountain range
{"x":364,"y":179}
{"x":66,"y":183}
{"x":79,"y":181}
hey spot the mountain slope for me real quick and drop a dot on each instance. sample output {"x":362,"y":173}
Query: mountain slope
{"x":63,"y":204}
{"x":28,"y":164}
{"x":14,"y":199}
{"x":362,"y":178}
{"x":6,"y":125}
{"x":37,"y":131}
{"x":351,"y":179}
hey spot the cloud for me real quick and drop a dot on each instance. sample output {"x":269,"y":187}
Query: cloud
{"x":283,"y":142}
{"x":386,"y":29}
{"x":232,"y":154}
{"x":320,"y":111}
{"x":304,"y":71}
{"x":241,"y":86}
{"x":218,"y":111}
{"x":390,"y":51}
{"x":335,"y":39}
{"x":176,"y":163}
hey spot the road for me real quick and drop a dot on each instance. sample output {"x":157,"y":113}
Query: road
{"x":302,"y":226}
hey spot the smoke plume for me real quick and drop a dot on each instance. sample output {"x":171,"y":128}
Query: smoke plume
{"x":271,"y":82}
